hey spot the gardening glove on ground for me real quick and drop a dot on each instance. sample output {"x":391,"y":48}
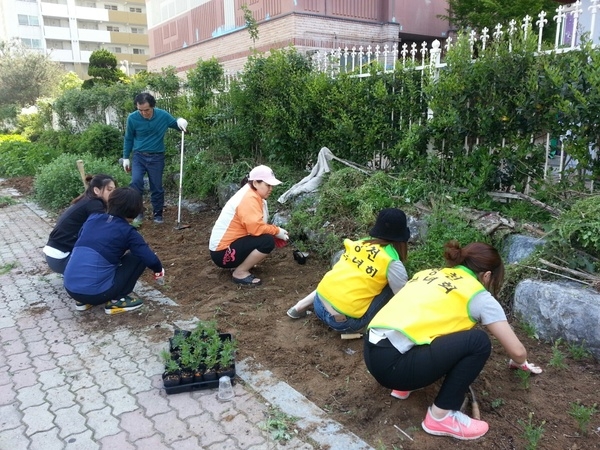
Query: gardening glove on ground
{"x":282,"y":234}
{"x":159,"y":277}
{"x":527,"y":367}
{"x":126,"y":165}
{"x":182,"y":124}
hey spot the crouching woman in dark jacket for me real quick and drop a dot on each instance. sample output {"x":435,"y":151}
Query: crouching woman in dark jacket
{"x":109,"y":257}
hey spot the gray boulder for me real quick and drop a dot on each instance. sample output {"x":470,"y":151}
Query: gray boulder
{"x":517,"y":247}
{"x":564,"y":310}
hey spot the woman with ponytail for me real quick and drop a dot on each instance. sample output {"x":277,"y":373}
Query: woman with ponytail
{"x":427,"y":332}
{"x":64,"y":235}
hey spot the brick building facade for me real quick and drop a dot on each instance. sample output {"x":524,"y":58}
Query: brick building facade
{"x":203,"y":29}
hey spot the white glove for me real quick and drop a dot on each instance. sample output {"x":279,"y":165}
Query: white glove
{"x":126,"y":165}
{"x":527,"y":367}
{"x":282,"y":234}
{"x":182,"y":124}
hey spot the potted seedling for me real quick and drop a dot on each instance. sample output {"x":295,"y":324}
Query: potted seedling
{"x":176,"y":342}
{"x":171,"y":376}
{"x":212,"y":358}
{"x":198,"y":353}
{"x":227,"y":358}
{"x":186,"y":360}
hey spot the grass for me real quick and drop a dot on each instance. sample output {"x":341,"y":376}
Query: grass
{"x":7,"y":268}
{"x":6,"y":201}
{"x":280,"y":426}
{"x":578,"y":351}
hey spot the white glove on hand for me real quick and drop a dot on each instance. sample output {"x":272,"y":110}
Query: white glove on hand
{"x":182,"y":124}
{"x":126,"y":165}
{"x":527,"y":367}
{"x":282,"y":235}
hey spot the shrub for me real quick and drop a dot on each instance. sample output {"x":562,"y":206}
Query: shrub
{"x":23,"y":158}
{"x":102,"y":141}
{"x":62,"y":140}
{"x":59,"y":182}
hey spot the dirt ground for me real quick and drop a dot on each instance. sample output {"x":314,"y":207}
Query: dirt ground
{"x":330,"y":371}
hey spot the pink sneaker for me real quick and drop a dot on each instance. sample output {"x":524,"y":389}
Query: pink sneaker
{"x":456,"y":425}
{"x":402,"y":395}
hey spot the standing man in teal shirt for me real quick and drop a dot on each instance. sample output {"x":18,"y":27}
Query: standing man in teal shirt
{"x":145,"y":137}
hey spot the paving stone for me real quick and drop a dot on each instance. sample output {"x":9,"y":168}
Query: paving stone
{"x":121,"y":401}
{"x":7,"y":394}
{"x":185,"y":405}
{"x":14,"y":348}
{"x":155,"y":443}
{"x":19,"y":361}
{"x":13,"y":439}
{"x":154,"y":402}
{"x":24,"y":378}
{"x":30,"y":396}
{"x":47,"y":440}
{"x":82,"y":441}
{"x":81,"y":379}
{"x":207,"y":431}
{"x":52,"y":378}
{"x":90,"y":399}
{"x":38,"y":348}
{"x":117,"y":442}
{"x":103,"y":423}
{"x":186,"y":444}
{"x":44,"y":362}
{"x":171,"y":428}
{"x":137,"y":425}
{"x":70,"y":421}
{"x":245,"y":432}
{"x":123,"y":365}
{"x":60,"y":397}
{"x":38,"y":418}
{"x":228,"y":444}
{"x":10,"y":417}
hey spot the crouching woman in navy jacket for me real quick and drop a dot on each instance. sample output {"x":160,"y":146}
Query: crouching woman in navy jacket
{"x":109,"y":257}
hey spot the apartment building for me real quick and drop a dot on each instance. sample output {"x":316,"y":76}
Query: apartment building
{"x":70,"y":30}
{"x":183,"y":31}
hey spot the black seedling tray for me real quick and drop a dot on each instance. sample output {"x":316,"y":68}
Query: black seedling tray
{"x":200,"y":385}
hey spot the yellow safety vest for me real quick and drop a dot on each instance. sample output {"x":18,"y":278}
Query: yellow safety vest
{"x":433,"y":303}
{"x":359,"y":275}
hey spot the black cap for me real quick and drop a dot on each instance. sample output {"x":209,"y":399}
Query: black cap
{"x":391,"y":226}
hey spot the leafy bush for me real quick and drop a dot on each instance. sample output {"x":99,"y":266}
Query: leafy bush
{"x":23,"y":158}
{"x":580,"y":226}
{"x":62,"y":140}
{"x":102,"y":141}
{"x":59,"y":182}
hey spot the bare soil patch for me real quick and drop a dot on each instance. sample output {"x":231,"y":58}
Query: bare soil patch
{"x":330,"y":371}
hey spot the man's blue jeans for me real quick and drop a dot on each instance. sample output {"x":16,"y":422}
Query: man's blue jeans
{"x":152,"y":164}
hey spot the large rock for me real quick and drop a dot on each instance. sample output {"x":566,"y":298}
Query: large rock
{"x":564,"y":310}
{"x":517,"y":247}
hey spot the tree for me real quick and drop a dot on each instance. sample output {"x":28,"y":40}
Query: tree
{"x":102,"y":69}
{"x":25,"y":75}
{"x":488,"y":13}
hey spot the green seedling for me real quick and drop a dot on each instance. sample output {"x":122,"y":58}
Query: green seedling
{"x":279,"y":425}
{"x":524,"y":377}
{"x":530,"y":330}
{"x":558,"y":358}
{"x":497,"y":403}
{"x":531,"y":433}
{"x":578,"y":351}
{"x":583,"y":415}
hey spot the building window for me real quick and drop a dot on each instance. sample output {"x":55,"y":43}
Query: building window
{"x":111,"y":7}
{"x":139,"y":51}
{"x":135,"y":30}
{"x":112,"y":28}
{"x":135,"y":10}
{"x":117,"y":50}
{"x":31,"y":43}
{"x":31,"y":21}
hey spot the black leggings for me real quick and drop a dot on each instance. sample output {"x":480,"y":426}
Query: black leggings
{"x":129,"y":270}
{"x":459,"y":357}
{"x":240,"y":249}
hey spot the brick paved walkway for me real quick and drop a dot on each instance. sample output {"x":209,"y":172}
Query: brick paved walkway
{"x":64,"y":385}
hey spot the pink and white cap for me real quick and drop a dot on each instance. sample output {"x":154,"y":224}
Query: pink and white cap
{"x":263,"y":173}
